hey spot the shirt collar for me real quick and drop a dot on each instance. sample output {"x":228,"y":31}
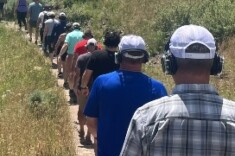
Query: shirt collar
{"x":194,"y":88}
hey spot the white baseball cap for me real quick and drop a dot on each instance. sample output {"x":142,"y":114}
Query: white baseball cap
{"x":91,"y":41}
{"x":188,"y":35}
{"x":62,"y":14}
{"x":76,"y":25}
{"x":132,"y":43}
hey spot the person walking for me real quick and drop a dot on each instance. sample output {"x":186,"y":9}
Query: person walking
{"x":34,"y":9}
{"x":42,"y":17}
{"x":82,"y":60}
{"x":2,"y":3}
{"x":194,"y":120}
{"x":61,"y":58}
{"x":115,"y":96}
{"x":59,"y":28}
{"x":47,"y":34}
{"x":101,"y":61}
{"x":21,"y":12}
{"x":80,"y":48}
{"x":70,"y":41}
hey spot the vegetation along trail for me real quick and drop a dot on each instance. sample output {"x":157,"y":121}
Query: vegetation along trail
{"x":72,"y":133}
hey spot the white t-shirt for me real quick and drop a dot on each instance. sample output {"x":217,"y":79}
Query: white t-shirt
{"x":41,"y":17}
{"x":49,"y":25}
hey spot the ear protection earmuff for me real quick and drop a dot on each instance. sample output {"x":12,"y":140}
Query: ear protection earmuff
{"x":217,"y":66}
{"x":118,"y":56}
{"x":169,"y":63}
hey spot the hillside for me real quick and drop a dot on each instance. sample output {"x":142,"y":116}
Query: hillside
{"x":34,"y":117}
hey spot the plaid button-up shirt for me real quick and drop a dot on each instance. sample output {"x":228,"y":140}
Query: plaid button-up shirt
{"x":193,"y":121}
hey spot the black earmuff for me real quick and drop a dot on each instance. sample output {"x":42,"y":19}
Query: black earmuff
{"x":218,"y":64}
{"x":169,"y":63}
{"x":118,"y":57}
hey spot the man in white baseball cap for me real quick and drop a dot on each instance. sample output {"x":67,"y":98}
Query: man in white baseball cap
{"x":115,"y":96}
{"x":194,"y":120}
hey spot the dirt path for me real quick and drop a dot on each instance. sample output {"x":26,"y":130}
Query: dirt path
{"x":81,"y":150}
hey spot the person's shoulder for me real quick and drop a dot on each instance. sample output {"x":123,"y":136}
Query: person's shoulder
{"x":31,"y":4}
{"x":98,"y":52}
{"x":153,"y":110}
{"x":41,"y":14}
{"x":157,"y":82}
{"x":105,"y":77}
{"x":48,"y":21}
{"x":57,"y":21}
{"x":82,"y":56}
{"x":69,"y":34}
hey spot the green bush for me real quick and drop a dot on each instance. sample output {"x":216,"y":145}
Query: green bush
{"x":44,"y":104}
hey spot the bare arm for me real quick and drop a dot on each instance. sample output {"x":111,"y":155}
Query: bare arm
{"x":74,"y":60}
{"x":85,"y":80}
{"x":77,"y":77}
{"x":63,"y":49}
{"x":59,"y":41}
{"x":86,"y":77}
{"x":92,"y":126}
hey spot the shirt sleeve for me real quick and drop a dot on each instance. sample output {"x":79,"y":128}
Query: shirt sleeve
{"x":67,"y":38}
{"x":91,"y":64}
{"x":92,"y":106}
{"x":133,"y":142}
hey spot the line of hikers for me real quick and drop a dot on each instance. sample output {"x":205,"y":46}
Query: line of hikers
{"x":129,"y":113}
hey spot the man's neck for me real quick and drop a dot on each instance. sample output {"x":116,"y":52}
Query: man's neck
{"x":112,"y":49}
{"x":131,"y":67}
{"x":191,"y":78}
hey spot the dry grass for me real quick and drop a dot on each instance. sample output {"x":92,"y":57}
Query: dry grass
{"x":23,"y":71}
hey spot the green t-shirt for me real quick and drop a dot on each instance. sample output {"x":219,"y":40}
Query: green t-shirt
{"x":72,"y":38}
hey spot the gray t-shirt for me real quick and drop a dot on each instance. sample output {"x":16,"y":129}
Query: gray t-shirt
{"x":49,"y":25}
{"x":82,"y":63}
{"x":34,"y":10}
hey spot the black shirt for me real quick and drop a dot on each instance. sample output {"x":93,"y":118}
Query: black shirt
{"x":102,"y":62}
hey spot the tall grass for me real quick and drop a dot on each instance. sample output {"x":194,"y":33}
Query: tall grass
{"x":28,"y":126}
{"x":155,"y":20}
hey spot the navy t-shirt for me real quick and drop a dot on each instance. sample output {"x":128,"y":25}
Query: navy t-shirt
{"x":113,"y":99}
{"x":59,"y":28}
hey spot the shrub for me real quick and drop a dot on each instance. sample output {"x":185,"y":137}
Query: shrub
{"x":43,"y":103}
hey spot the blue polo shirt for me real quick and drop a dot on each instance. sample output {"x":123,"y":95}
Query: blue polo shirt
{"x":72,"y":38}
{"x":113,"y":99}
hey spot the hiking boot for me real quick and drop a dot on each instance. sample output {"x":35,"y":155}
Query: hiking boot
{"x":30,"y":39}
{"x":53,"y":65}
{"x":66,"y":85}
{"x":86,"y":141}
{"x":81,"y":134}
{"x":36,"y":42}
{"x":60,"y":75}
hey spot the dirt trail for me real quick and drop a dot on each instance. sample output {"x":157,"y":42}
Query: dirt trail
{"x":81,"y":150}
